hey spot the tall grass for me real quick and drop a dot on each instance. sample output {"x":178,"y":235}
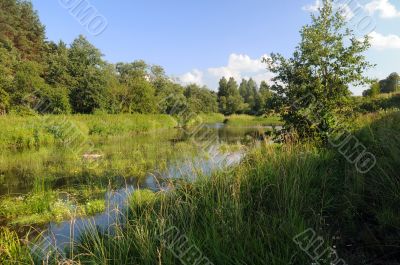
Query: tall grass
{"x":247,"y":120}
{"x":249,"y":214}
{"x":43,"y":131}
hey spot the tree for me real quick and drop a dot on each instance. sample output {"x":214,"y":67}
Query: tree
{"x":201,"y":99}
{"x":313,"y":85}
{"x":20,"y":27}
{"x":4,"y":101}
{"x":252,"y":99}
{"x":234,"y":102}
{"x":171,"y":99}
{"x":243,"y":90}
{"x":88,"y":91}
{"x":222,"y":94}
{"x":374,"y":90}
{"x":229,"y":99}
{"x":136,"y":69}
{"x":390,"y":84}
{"x":7,"y":65}
{"x":264,"y":97}
{"x":57,"y":63}
{"x":27,"y":81}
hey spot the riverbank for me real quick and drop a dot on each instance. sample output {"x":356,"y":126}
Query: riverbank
{"x":30,"y":132}
{"x":255,"y":210}
{"x":250,"y":121}
{"x":20,"y":133}
{"x":62,"y":182}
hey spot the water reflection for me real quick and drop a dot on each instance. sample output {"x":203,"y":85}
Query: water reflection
{"x":169,"y":154}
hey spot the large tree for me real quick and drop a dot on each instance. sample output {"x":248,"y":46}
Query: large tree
{"x":86,"y":67}
{"x":7,"y":65}
{"x":313,"y":85}
{"x":390,"y":84}
{"x":20,"y":28}
{"x":201,"y":99}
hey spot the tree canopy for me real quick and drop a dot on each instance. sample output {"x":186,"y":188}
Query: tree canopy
{"x":313,"y":85}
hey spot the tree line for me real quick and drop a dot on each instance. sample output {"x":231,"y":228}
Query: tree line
{"x":391,"y":84}
{"x":76,"y":79}
{"x":245,"y":98}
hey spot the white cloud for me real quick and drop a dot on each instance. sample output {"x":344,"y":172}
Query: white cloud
{"x":382,"y":42}
{"x":193,"y":77}
{"x":383,"y":7}
{"x":239,"y":66}
{"x":313,"y":7}
{"x":344,"y":8}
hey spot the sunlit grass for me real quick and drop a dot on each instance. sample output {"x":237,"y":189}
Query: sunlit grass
{"x":247,"y":120}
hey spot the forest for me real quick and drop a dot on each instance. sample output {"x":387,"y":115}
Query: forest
{"x":76,"y":79}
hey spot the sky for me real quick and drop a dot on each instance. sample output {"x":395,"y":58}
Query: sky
{"x":201,"y":41}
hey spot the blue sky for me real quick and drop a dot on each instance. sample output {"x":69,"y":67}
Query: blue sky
{"x":199,"y":41}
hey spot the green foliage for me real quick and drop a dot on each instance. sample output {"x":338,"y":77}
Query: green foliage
{"x":21,"y":29}
{"x":88,"y":92}
{"x":201,"y":99}
{"x":374,"y":90}
{"x":140,"y":97}
{"x":76,"y":78}
{"x":12,"y":251}
{"x":390,"y":84}
{"x":377,"y":103}
{"x":230,"y":101}
{"x":313,"y":85}
{"x":142,"y":198}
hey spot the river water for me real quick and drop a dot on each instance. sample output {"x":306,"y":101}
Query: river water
{"x":163,"y":155}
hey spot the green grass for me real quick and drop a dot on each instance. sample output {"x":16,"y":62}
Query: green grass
{"x":378,"y":103}
{"x":12,"y":251}
{"x":249,"y":121}
{"x":206,"y":118}
{"x":43,"y":207}
{"x":43,"y":131}
{"x":249,"y":214}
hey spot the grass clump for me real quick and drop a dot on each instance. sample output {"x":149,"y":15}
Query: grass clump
{"x":44,"y":207}
{"x":142,"y":198}
{"x":12,"y":251}
{"x":95,"y":206}
{"x":206,"y":118}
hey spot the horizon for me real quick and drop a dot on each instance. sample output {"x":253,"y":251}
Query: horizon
{"x":200,"y":47}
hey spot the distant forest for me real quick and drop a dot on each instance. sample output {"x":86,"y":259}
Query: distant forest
{"x":76,"y":79}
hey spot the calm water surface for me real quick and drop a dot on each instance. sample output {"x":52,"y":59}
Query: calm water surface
{"x":157,"y":157}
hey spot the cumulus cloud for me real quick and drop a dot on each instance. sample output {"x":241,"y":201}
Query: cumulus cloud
{"x":382,"y":42}
{"x":238,"y":66}
{"x":193,"y":77}
{"x":383,"y":7}
{"x":344,"y":8}
{"x":313,"y":7}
